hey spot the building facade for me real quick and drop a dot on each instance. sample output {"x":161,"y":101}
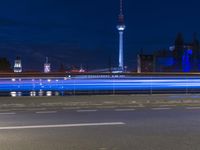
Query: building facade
{"x":18,"y":65}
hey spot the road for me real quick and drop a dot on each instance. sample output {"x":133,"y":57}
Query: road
{"x":160,"y":128}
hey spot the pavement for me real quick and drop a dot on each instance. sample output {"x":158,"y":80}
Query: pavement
{"x":98,"y":101}
{"x":141,"y":128}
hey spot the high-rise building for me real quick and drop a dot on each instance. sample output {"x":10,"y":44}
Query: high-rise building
{"x":146,"y":63}
{"x":121,"y":27}
{"x":18,"y":65}
{"x":47,"y":66}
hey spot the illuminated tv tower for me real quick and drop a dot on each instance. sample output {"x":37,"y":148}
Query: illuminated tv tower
{"x":121,"y":27}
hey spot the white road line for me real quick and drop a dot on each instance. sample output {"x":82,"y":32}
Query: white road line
{"x":161,"y":108}
{"x":63,"y":125}
{"x":103,"y":148}
{"x":8,"y":113}
{"x":131,"y":109}
{"x":92,"y":110}
{"x":45,"y":112}
{"x":167,"y":105}
{"x":192,"y":107}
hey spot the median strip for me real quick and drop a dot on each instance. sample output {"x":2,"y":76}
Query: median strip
{"x":92,"y":110}
{"x":125,"y":109}
{"x":45,"y":112}
{"x":160,"y":108}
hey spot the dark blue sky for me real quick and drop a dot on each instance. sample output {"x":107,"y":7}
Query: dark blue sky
{"x":84,"y":31}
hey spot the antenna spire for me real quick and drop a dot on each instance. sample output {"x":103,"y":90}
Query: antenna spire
{"x":121,"y":7}
{"x":47,"y":59}
{"x":121,"y":15}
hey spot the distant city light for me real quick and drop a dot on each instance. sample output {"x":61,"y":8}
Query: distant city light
{"x":19,"y":93}
{"x":40,"y":93}
{"x":172,"y":48}
{"x":49,"y":93}
{"x":33,"y":93}
{"x":47,"y":66}
{"x":18,"y":65}
{"x":13,"y":94}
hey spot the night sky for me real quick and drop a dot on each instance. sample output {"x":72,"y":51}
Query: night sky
{"x":75,"y":32}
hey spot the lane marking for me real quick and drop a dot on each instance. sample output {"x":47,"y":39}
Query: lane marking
{"x":192,"y":107}
{"x":36,"y":109}
{"x":131,"y":109}
{"x":168,"y":105}
{"x":8,"y":113}
{"x":63,"y":125}
{"x":103,"y":148}
{"x":161,"y":108}
{"x":92,"y":110}
{"x":45,"y":112}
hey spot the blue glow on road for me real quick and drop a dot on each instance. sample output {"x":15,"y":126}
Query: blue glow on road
{"x":101,"y":84}
{"x":186,"y":60}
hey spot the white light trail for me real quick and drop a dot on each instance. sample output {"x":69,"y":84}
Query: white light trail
{"x":62,"y":125}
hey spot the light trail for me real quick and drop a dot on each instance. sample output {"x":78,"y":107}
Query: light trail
{"x":63,"y":125}
{"x":101,"y":84}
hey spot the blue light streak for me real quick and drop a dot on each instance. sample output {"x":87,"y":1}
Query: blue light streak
{"x":101,"y":84}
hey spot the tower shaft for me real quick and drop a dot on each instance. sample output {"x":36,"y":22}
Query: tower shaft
{"x":121,"y":53}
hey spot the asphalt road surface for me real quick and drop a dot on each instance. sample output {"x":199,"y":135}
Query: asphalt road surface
{"x":164,"y":128}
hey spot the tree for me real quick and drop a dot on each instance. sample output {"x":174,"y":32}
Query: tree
{"x":5,"y":65}
{"x":195,"y":52}
{"x":195,"y":45}
{"x":179,"y":46}
{"x":178,"y":52}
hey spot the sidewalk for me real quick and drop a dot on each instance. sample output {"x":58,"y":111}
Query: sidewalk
{"x":99,"y":101}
